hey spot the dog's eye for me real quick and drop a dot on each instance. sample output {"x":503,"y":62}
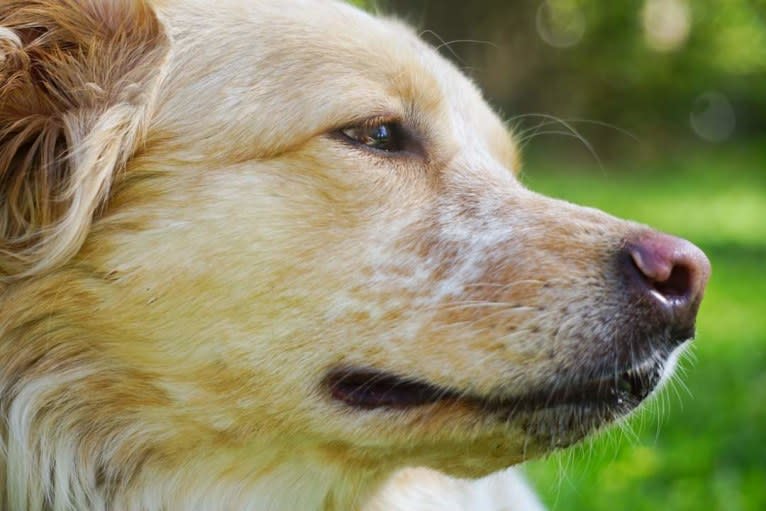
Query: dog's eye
{"x":383,"y":136}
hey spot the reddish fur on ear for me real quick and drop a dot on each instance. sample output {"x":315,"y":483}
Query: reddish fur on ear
{"x":77,"y":78}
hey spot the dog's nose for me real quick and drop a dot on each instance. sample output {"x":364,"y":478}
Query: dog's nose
{"x":670,"y":271}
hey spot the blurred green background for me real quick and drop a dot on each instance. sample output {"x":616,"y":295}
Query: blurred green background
{"x":654,"y":110}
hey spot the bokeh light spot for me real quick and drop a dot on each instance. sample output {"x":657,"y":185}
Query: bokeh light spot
{"x":667,"y":24}
{"x":560,"y":23}
{"x":713,"y":117}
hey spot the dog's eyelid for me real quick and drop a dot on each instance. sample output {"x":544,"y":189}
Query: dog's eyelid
{"x":385,"y":135}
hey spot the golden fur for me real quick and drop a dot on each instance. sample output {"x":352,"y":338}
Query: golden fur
{"x":186,"y":248}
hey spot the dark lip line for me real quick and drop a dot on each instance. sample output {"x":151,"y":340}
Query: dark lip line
{"x":369,"y":389}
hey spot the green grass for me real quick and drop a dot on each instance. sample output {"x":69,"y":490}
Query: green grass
{"x":703,"y":448}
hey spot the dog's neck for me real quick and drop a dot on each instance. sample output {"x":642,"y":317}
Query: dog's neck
{"x":45,"y":465}
{"x":273,"y":481}
{"x":79,"y":431}
{"x":204,"y":483}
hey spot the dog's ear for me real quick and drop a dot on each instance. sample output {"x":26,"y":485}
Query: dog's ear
{"x":77,"y":80}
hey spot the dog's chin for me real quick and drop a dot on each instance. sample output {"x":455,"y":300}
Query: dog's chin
{"x":552,"y":416}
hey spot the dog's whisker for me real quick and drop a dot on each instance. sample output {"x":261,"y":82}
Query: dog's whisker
{"x":546,"y":120}
{"x":569,"y":128}
{"x":443,"y":43}
{"x":449,"y":44}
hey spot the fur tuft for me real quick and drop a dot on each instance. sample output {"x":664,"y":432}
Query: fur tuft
{"x":70,"y":116}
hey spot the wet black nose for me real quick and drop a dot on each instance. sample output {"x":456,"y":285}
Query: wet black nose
{"x":669,"y":272}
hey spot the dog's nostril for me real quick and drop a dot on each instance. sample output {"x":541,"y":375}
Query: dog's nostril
{"x":677,"y":285}
{"x":671,"y":269}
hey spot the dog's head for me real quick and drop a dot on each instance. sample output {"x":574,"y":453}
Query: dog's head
{"x":254,"y":223}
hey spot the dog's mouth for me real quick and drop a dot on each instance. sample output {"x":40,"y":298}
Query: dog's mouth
{"x":621,"y":391}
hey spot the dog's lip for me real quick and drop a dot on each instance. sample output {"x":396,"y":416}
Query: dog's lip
{"x":370,"y":389}
{"x":366,"y":389}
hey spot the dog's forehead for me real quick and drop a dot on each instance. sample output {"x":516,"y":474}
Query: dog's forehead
{"x":282,"y":59}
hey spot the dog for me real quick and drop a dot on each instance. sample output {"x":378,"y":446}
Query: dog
{"x":262,"y":255}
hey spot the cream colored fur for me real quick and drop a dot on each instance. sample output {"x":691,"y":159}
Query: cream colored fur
{"x":426,"y":490}
{"x":188,"y":247}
